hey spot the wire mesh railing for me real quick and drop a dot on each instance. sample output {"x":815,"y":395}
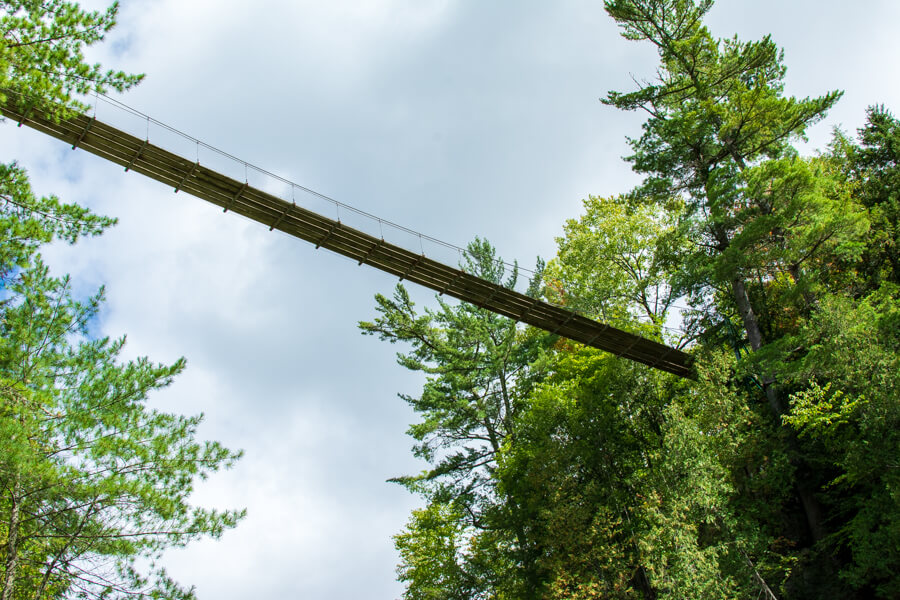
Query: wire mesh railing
{"x":133,"y":139}
{"x":139,"y":124}
{"x":123,"y":117}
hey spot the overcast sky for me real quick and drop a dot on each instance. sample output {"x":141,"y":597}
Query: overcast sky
{"x":456,"y":119}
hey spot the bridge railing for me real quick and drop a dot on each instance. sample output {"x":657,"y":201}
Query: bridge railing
{"x":131,"y":121}
{"x":175,"y":159}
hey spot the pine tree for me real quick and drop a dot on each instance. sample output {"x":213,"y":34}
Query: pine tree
{"x":94,"y":484}
{"x":479,"y":367}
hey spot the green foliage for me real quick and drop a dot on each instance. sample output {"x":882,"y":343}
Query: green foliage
{"x":431,"y":555}
{"x":612,"y":262}
{"x":478,"y":365}
{"x":774,"y":474}
{"x":27,"y":221}
{"x":872,"y":170}
{"x":444,"y":559}
{"x":574,"y":466}
{"x":717,"y":120}
{"x":42,"y":53}
{"x":92,"y":478}
{"x":717,"y":103}
{"x":852,"y":422}
{"x":479,"y":368}
{"x":772,"y":242}
{"x":818,"y":412}
{"x":627,"y":481}
{"x":94,"y":484}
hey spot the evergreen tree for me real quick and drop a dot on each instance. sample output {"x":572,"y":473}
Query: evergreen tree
{"x":42,"y":53}
{"x":774,"y":474}
{"x":768,"y":229}
{"x":479,"y":367}
{"x":845,"y":407}
{"x":872,"y":169}
{"x":94,"y":484}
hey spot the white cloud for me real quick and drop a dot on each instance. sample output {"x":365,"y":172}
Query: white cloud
{"x":456,"y":119}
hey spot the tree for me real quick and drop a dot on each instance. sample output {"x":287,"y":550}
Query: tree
{"x":42,"y":53}
{"x":637,"y":485}
{"x":479,"y":366}
{"x":872,"y":170}
{"x":619,"y":239}
{"x":774,"y":243}
{"x":575,"y":466}
{"x":612,"y":263}
{"x":848,"y":415}
{"x":718,"y":135}
{"x":93,"y":483}
{"x":92,"y":479}
{"x":774,"y":474}
{"x":845,"y":406}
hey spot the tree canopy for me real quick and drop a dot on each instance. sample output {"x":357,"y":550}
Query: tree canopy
{"x":94,"y":483}
{"x":774,"y":473}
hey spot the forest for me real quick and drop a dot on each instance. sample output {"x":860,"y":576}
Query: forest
{"x":555,"y":470}
{"x":560,"y":471}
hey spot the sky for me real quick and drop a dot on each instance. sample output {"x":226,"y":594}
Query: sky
{"x":455,"y":119}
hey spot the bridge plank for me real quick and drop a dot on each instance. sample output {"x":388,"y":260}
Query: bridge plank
{"x":168,"y":168}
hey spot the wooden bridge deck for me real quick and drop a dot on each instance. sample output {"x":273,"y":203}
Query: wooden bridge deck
{"x":185,"y":175}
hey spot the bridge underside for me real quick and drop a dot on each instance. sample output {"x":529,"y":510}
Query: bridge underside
{"x":182,"y":174}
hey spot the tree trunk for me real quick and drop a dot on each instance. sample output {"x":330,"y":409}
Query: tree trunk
{"x":9,"y":577}
{"x":748,"y":316}
{"x":754,"y":335}
{"x":803,"y":485}
{"x":648,"y":592}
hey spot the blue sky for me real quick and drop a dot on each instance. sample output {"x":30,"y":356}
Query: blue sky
{"x":455,"y":119}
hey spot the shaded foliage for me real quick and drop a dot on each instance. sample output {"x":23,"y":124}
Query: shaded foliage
{"x":774,"y":474}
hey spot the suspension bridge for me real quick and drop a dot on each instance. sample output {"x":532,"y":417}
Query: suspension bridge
{"x":189,"y":176}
